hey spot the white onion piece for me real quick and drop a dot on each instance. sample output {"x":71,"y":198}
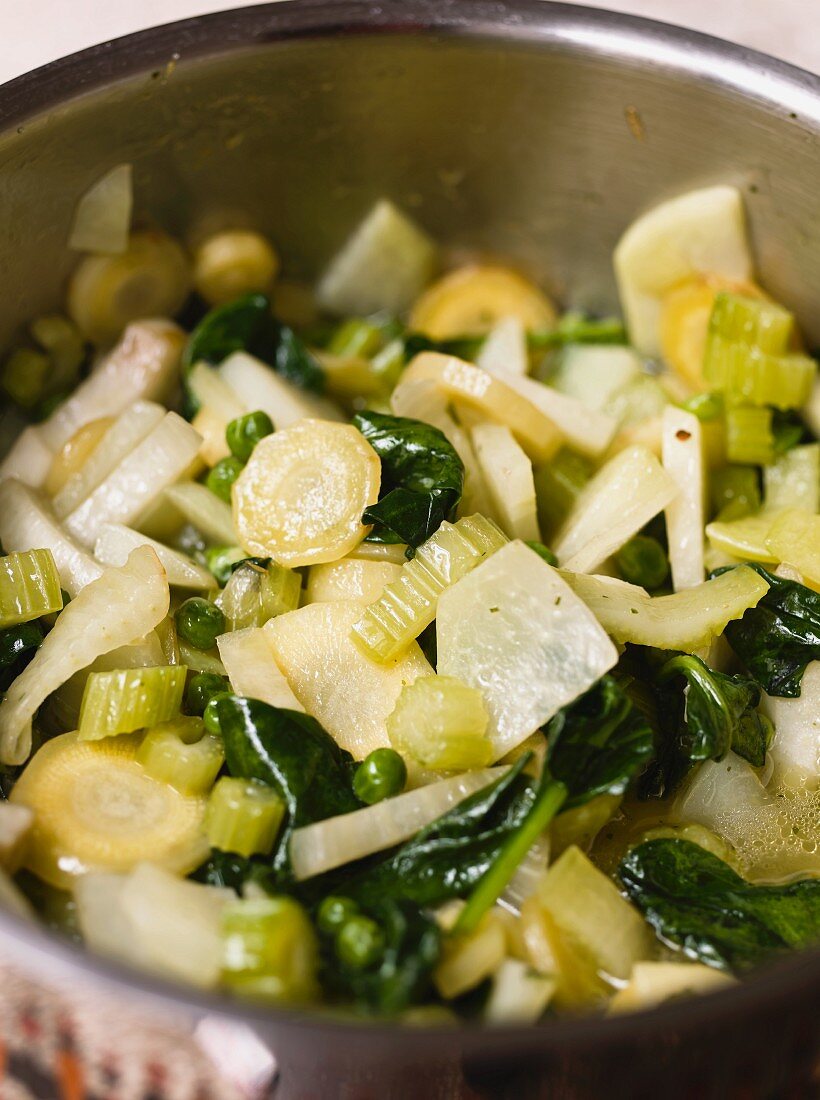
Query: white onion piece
{"x":622,"y":497}
{"x":115,"y":542}
{"x":586,"y":430}
{"x":519,"y":994}
{"x":202,"y":508}
{"x":343,"y":839}
{"x":139,"y":479}
{"x":27,"y":523}
{"x":795,"y":750}
{"x":683,"y":461}
{"x":102,"y":219}
{"x":121,"y":605}
{"x":252,"y":668}
{"x":515,"y":630}
{"x":258,"y":386}
{"x":505,"y":349}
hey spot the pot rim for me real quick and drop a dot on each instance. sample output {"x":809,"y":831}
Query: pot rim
{"x":791,"y":93}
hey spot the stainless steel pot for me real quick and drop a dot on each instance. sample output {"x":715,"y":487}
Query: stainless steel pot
{"x":530,"y":129}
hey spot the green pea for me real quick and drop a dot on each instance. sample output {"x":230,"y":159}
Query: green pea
{"x":380,"y":775}
{"x":359,"y":943}
{"x":335,"y":911}
{"x":222,"y":476}
{"x":244,"y":433}
{"x":201,"y":689}
{"x":221,"y":560}
{"x":643,"y":561}
{"x":199,"y":622}
{"x":210,"y":716}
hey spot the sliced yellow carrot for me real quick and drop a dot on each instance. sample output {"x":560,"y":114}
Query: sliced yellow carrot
{"x":472,"y":300}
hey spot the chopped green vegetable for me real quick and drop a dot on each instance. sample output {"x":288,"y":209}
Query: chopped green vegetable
{"x":357,"y":336}
{"x":18,"y":645}
{"x":130,"y":699}
{"x":269,"y":950}
{"x":359,"y":943}
{"x":243,"y":816}
{"x":244,"y":433}
{"x":221,"y":561}
{"x":422,"y":478}
{"x":258,"y":590}
{"x":201,"y":689}
{"x":557,"y":486}
{"x":199,"y":622}
{"x":705,"y":406}
{"x":643,"y":561}
{"x":382,"y":774}
{"x":210,"y":715}
{"x":29,"y":587}
{"x":222,"y":476}
{"x":697,"y":903}
{"x":181,"y":753}
{"x":735,"y":492}
{"x":441,"y":722}
{"x":333,"y":912}
{"x":749,"y":435}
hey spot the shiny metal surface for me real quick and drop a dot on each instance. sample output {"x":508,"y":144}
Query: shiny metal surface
{"x":527,"y":129}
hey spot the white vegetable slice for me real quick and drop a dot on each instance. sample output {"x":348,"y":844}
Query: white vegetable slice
{"x":121,"y":605}
{"x":218,"y":406}
{"x":593,"y":373}
{"x":508,"y":475}
{"x":301,"y":497}
{"x":584,"y":429}
{"x":513,"y":629}
{"x":623,"y":496}
{"x":683,"y":461}
{"x":498,"y":400}
{"x":685,"y":620}
{"x":350,"y":695}
{"x":127,"y":431}
{"x":338,"y":840}
{"x":702,"y":232}
{"x":27,"y":523}
{"x":519,"y":994}
{"x":115,"y":542}
{"x":652,"y":983}
{"x":505,"y":349}
{"x":29,"y":459}
{"x":795,"y":750}
{"x":15,"y":824}
{"x":202,"y":508}
{"x":133,"y":486}
{"x":384,"y":265}
{"x":252,"y":669}
{"x":350,"y":579}
{"x":102,"y":219}
{"x":793,"y":479}
{"x":258,"y":386}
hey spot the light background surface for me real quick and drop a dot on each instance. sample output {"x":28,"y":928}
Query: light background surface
{"x":35,"y":31}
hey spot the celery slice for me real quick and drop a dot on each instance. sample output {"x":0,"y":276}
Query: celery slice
{"x":130,"y":699}
{"x":179,"y":752}
{"x":408,"y":605}
{"x":754,"y":322}
{"x":441,"y":723}
{"x":255,"y":593}
{"x":749,"y":435}
{"x":243,"y":816}
{"x":746,"y":373}
{"x":735,"y":492}
{"x":29,"y":587}
{"x":794,"y":537}
{"x":269,"y":950}
{"x":793,"y":479}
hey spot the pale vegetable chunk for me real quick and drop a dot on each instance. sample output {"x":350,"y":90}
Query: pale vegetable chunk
{"x":652,"y":983}
{"x":441,"y":723}
{"x":103,"y":215}
{"x":793,"y":479}
{"x":623,"y":496}
{"x":26,"y":523}
{"x":744,"y":538}
{"x":383,"y":265}
{"x":472,"y":300}
{"x":508,"y":475}
{"x":30,"y":458}
{"x":350,"y":579}
{"x":685,"y":620}
{"x":795,"y":537}
{"x":795,"y":750}
{"x":218,"y":406}
{"x":505,"y":349}
{"x":252,"y":669}
{"x":519,"y":994}
{"x":335,"y":841}
{"x":698,"y":233}
{"x":133,"y":486}
{"x":301,"y":496}
{"x":515,"y":630}
{"x":202,"y":508}
{"x":587,"y":430}
{"x":115,"y":542}
{"x":683,"y":461}
{"x":121,"y":605}
{"x":15,"y":825}
{"x":593,"y":373}
{"x":258,"y":386}
{"x":477,"y":389}
{"x":349,"y":694}
{"x":467,"y":960}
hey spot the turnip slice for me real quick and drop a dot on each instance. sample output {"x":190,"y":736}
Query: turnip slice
{"x":508,"y":475}
{"x":505,"y":349}
{"x":218,"y":406}
{"x":103,"y":215}
{"x":586,"y":430}
{"x":258,"y":386}
{"x":29,"y":459}
{"x":795,"y":749}
{"x":202,"y":508}
{"x":683,"y":461}
{"x":115,"y":542}
{"x":593,"y":373}
{"x":252,"y":669}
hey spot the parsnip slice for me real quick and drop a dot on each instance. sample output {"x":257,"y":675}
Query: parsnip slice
{"x":252,"y":669}
{"x":623,"y":496}
{"x":683,"y":461}
{"x":698,"y":233}
{"x":115,"y":542}
{"x":513,"y":629}
{"x":301,"y":497}
{"x":350,"y":579}
{"x":202,"y":508}
{"x":651,"y":983}
{"x":478,"y":389}
{"x":472,"y":300}
{"x":121,"y":605}
{"x":258,"y":386}
{"x":218,"y":406}
{"x":587,"y":430}
{"x":349,"y":694}
{"x":508,"y":475}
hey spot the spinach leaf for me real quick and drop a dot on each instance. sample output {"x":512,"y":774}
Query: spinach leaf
{"x":232,"y":870}
{"x":402,"y":978}
{"x":18,"y":645}
{"x":696,"y":902}
{"x":778,"y":637}
{"x":720,"y":713}
{"x":422,"y":477}
{"x":463,"y":347}
{"x":290,"y":751}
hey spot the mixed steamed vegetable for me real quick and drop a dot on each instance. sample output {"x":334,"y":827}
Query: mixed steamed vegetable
{"x":403,"y":644}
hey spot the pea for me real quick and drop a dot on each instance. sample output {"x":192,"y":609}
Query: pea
{"x":199,"y":622}
{"x":359,"y":943}
{"x":222,"y":476}
{"x":210,"y":716}
{"x":244,"y":433}
{"x":334,"y":912}
{"x":380,"y":775}
{"x":643,"y":561}
{"x":201,"y":688}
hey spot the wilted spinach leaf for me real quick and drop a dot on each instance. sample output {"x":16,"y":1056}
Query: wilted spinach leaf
{"x":232,"y":870}
{"x":696,"y":902}
{"x":422,"y":477}
{"x":720,"y":713}
{"x":18,"y":645}
{"x":290,"y":751}
{"x":463,"y":347}
{"x":778,"y":637}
